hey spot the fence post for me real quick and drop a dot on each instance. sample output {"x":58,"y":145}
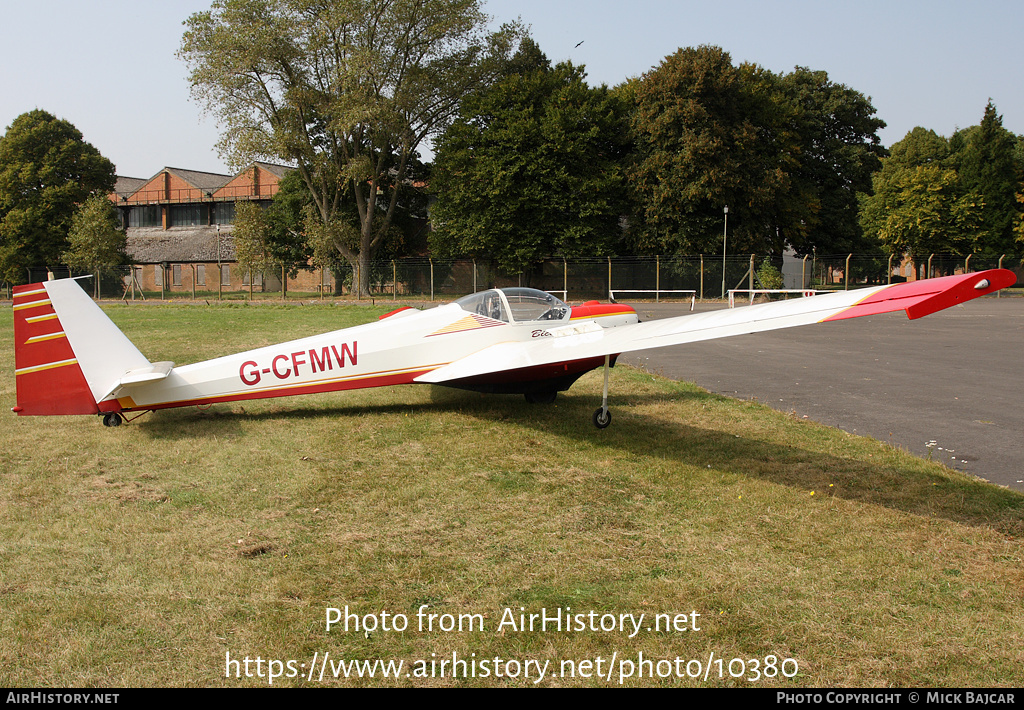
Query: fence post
{"x":702,"y":277}
{"x":475,"y":289}
{"x":929,"y":274}
{"x":846,"y":273}
{"x":1000,"y":266}
{"x":431,"y":259}
{"x":967,"y":263}
{"x":609,"y":278}
{"x":888,"y":273}
{"x":657,"y":278}
{"x":565,"y":279}
{"x":750,"y":274}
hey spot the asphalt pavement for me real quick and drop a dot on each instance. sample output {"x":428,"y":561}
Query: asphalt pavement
{"x":947,"y":387}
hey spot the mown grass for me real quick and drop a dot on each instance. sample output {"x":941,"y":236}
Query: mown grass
{"x":140,"y":556}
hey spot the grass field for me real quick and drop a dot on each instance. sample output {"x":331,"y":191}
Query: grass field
{"x":159,"y":553}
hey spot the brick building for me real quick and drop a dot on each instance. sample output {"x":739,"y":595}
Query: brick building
{"x":180,"y":223}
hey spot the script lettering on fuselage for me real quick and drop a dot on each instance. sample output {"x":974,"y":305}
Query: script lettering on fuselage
{"x":299,"y":363}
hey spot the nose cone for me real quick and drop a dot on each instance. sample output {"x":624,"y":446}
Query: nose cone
{"x":608,"y":315}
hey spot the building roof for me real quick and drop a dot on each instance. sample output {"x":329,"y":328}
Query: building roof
{"x":127,"y":185}
{"x":180,"y":245}
{"x":279,"y":170}
{"x":181,"y":185}
{"x":204,"y":181}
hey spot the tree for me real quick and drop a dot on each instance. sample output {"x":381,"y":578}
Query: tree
{"x":786,"y":153}
{"x":273,"y":235}
{"x":96,"y":240}
{"x":921,"y":210}
{"x":839,"y":151}
{"x":251,"y":234}
{"x":919,"y":205}
{"x":46,"y":171}
{"x":533,"y":167}
{"x":345,"y":89}
{"x":700,"y":149}
{"x":984,"y":157}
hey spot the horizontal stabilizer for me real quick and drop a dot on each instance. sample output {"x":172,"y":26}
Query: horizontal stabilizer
{"x":142,"y":375}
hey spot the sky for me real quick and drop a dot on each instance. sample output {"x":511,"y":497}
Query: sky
{"x":110,"y":66}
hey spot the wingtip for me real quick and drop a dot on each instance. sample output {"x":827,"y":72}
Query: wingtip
{"x":965,"y":288}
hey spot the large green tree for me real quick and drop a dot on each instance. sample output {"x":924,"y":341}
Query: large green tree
{"x":836,"y":130}
{"x":919,"y":205}
{"x":96,"y":241}
{"x":786,"y":153}
{"x":984,"y":157}
{"x":533,"y":167}
{"x":345,"y":89}
{"x":707,"y":139}
{"x":46,"y":171}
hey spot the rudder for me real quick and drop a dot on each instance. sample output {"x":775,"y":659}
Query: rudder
{"x":68,"y":355}
{"x":49,"y":378}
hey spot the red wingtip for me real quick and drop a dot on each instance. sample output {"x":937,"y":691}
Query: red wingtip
{"x":961,"y":289}
{"x":924,"y":297}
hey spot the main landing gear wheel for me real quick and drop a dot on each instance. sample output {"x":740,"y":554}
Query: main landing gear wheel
{"x":541,"y":397}
{"x":603,"y":416}
{"x":112,"y":419}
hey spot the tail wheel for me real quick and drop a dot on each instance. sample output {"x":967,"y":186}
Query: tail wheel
{"x":112,"y":419}
{"x":602,"y":418}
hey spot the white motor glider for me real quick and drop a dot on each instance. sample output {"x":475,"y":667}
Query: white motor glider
{"x":71,"y":359}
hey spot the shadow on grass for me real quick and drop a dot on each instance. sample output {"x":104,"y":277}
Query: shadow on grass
{"x":876,"y":474}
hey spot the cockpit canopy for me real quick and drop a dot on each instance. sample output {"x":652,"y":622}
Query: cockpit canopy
{"x":516,"y":305}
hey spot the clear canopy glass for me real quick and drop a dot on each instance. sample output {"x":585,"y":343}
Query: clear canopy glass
{"x":516,"y":305}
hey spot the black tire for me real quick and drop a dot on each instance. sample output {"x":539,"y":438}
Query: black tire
{"x":547,"y":397}
{"x":112,"y":419}
{"x":602,"y":418}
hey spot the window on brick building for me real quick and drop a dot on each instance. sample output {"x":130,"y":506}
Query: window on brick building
{"x":144,"y":216}
{"x":187,"y":215}
{"x":224,"y":213}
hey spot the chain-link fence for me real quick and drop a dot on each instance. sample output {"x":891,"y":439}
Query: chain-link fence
{"x":623,"y":277}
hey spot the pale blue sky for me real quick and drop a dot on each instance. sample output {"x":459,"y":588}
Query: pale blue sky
{"x":110,"y":68}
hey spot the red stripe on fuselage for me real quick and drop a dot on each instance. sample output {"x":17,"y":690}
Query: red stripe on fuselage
{"x":366,"y":382}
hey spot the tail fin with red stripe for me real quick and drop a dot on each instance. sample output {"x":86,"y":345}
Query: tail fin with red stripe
{"x":67,"y":353}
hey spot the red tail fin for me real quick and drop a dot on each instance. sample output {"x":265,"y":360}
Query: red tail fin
{"x":49,"y":378}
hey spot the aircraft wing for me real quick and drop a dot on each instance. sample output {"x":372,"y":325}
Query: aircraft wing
{"x":917,"y":298}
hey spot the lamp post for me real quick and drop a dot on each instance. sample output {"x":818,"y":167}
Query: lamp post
{"x":220,"y":268}
{"x":725,"y":236}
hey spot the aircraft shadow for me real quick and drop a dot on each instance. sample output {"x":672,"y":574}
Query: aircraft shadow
{"x":928,"y":491}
